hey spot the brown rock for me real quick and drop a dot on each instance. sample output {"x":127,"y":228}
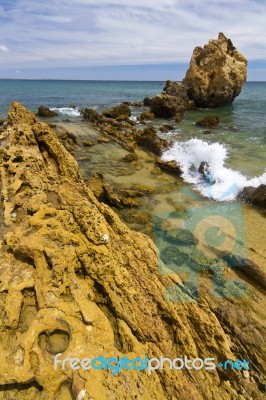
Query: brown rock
{"x":123,"y":118}
{"x":150,"y":141}
{"x":253,"y":195}
{"x":130,"y":157}
{"x":175,"y":89}
{"x":146,"y":115}
{"x":45,"y":112}
{"x":91,"y":115}
{"x":88,"y":143}
{"x":165,"y":128}
{"x":216,"y":74}
{"x":19,"y":115}
{"x":137,"y":104}
{"x":166,"y":106}
{"x":68,"y":139}
{"x":117,"y":111}
{"x":169,"y":166}
{"x":103,"y":139}
{"x":147,"y":102}
{"x":204,"y":170}
{"x":212,"y":121}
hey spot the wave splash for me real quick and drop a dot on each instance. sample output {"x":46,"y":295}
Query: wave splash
{"x":72,"y":112}
{"x":226,"y":182}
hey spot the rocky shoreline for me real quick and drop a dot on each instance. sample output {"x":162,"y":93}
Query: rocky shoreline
{"x":76,"y":279}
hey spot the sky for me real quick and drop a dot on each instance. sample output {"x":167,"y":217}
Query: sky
{"x":123,"y":39}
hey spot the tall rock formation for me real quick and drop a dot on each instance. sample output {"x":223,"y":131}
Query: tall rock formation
{"x":75,"y":280}
{"x":216,"y":74}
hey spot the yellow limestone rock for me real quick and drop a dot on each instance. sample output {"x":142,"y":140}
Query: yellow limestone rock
{"x":75,"y":280}
{"x":216,"y":74}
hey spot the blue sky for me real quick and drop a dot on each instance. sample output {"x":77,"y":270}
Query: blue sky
{"x":123,"y":39}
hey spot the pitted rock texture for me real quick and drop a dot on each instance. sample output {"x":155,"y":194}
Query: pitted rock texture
{"x":216,"y":74}
{"x":75,"y":280}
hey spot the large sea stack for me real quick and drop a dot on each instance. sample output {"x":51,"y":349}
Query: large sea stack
{"x":216,"y":74}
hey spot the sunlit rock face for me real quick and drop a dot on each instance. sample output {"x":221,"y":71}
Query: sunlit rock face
{"x":216,"y":74}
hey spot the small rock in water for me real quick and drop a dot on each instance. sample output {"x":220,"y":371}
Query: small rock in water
{"x":204,"y":170}
{"x":212,"y":121}
{"x":45,"y":112}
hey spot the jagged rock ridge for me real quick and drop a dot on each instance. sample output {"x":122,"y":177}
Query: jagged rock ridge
{"x":76,"y":280}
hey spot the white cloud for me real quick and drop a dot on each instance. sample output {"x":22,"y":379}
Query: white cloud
{"x":108,"y":32}
{"x":3,"y":48}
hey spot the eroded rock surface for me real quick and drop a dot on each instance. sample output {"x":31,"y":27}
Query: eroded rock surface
{"x":45,"y":112}
{"x":216,"y":74}
{"x":253,"y":195}
{"x":76,"y":280}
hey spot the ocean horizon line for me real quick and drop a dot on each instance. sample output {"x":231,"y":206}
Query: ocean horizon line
{"x":100,"y":80}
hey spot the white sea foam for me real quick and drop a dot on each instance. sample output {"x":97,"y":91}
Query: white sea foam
{"x":227,"y":182}
{"x":72,"y":112}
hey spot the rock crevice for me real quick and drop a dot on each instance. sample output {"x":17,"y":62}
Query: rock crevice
{"x":76,"y":280}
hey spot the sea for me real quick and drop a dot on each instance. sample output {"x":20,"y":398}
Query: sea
{"x":235,"y":151}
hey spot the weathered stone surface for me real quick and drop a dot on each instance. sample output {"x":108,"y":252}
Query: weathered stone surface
{"x":146,"y":115}
{"x":216,"y":74}
{"x":45,"y":112}
{"x":169,"y":166}
{"x":253,"y":195}
{"x":130,"y":157}
{"x":150,"y":141}
{"x":91,"y":115}
{"x":165,"y":128}
{"x":212,"y":121}
{"x":166,"y":106}
{"x":179,"y":91}
{"x":68,"y":139}
{"x":147,"y":102}
{"x":75,"y":279}
{"x":117,"y":111}
{"x":88,"y":143}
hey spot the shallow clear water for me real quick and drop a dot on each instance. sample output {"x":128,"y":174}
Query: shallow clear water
{"x":236,"y":151}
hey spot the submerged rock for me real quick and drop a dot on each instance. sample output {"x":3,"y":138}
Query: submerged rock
{"x":216,"y":74}
{"x":165,"y":128}
{"x":180,"y":236}
{"x":212,"y":121}
{"x":45,"y":112}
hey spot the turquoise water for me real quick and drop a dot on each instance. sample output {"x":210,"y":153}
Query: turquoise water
{"x":51,"y":93}
{"x":236,"y":151}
